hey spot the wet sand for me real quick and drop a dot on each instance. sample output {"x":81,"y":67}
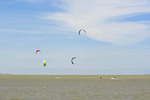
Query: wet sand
{"x":74,"y":87}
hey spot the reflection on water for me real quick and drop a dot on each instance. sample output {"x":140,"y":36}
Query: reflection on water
{"x":74,"y":89}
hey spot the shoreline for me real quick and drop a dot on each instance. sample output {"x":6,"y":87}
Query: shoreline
{"x":119,"y":77}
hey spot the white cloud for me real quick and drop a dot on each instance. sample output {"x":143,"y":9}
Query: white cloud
{"x":100,"y":19}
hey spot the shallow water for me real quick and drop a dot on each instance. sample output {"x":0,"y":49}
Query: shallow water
{"x":74,"y":89}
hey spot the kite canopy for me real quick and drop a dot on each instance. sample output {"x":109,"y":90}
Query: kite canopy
{"x":72,"y":60}
{"x":81,"y":31}
{"x":37,"y":51}
{"x":44,"y":63}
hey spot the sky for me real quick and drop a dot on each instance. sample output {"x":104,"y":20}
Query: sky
{"x":116,"y":42}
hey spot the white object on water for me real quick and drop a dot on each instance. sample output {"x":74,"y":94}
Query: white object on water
{"x":113,"y":78}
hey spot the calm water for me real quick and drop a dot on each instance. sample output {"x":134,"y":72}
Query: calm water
{"x":74,"y":89}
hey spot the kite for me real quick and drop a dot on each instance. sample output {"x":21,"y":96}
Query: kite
{"x":72,"y":60}
{"x":37,"y":51}
{"x":44,"y":63}
{"x":81,"y":30}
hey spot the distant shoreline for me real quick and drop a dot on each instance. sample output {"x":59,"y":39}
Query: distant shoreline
{"x":100,"y":77}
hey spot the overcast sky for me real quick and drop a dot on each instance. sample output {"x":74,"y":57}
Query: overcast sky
{"x":117,"y":39}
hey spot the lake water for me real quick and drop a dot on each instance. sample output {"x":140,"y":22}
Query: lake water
{"x":73,"y":89}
